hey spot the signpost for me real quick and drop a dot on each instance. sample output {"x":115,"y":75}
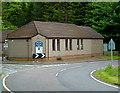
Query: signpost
{"x":5,"y":45}
{"x":111,"y":46}
{"x":0,"y":83}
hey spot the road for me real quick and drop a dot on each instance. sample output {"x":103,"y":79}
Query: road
{"x":68,"y":77}
{"x":11,"y":68}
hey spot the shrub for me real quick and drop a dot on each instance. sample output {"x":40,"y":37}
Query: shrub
{"x":109,"y":67}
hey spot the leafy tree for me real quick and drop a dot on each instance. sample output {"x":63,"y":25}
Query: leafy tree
{"x":103,"y":17}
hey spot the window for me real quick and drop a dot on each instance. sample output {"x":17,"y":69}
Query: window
{"x":58,"y":44}
{"x":66,"y":44}
{"x":78,"y":44}
{"x":82,"y":44}
{"x":53,"y":44}
{"x":70,"y":44}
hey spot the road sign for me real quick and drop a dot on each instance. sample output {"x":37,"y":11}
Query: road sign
{"x":39,"y":55}
{"x":105,"y":47}
{"x":39,"y":50}
{"x":38,"y":44}
{"x":111,"y":45}
{"x":5,"y":45}
{"x":43,"y":55}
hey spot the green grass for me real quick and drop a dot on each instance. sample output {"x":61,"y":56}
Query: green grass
{"x":109,"y":57}
{"x":109,"y":75}
{"x":2,"y":73}
{"x":115,"y":53}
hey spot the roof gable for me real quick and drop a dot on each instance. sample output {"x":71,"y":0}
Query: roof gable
{"x":25,"y":31}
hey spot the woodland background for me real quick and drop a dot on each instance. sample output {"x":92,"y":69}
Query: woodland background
{"x":103,"y":17}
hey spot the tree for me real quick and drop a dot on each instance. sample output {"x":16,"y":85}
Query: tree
{"x":105,"y":19}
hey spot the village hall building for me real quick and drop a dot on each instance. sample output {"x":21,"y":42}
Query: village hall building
{"x":58,"y":40}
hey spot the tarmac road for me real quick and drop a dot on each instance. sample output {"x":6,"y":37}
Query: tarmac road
{"x":71,"y":77}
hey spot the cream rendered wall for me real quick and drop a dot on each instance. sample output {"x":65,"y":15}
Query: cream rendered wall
{"x":87,"y":46}
{"x":63,"y":51}
{"x":19,"y":48}
{"x":97,"y":46}
{"x":90,"y":46}
{"x":38,"y":38}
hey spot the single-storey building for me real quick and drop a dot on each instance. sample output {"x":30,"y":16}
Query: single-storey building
{"x":58,"y":40}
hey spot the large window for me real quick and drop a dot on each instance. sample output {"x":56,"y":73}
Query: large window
{"x":70,"y":44}
{"x":81,"y":44}
{"x":58,"y":44}
{"x":66,"y":44}
{"x":53,"y":44}
{"x":78,"y":44}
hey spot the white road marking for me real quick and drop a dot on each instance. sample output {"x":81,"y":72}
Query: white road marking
{"x":4,"y":85}
{"x":57,"y":74}
{"x":66,"y":69}
{"x":92,"y":62}
{"x":7,"y":69}
{"x":63,"y":70}
{"x":91,"y":74}
{"x":3,"y":82}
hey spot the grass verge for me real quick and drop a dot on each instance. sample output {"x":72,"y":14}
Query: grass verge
{"x":109,"y":75}
{"x":109,"y":57}
{"x":2,"y":73}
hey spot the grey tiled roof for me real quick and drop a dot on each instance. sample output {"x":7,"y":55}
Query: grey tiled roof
{"x":3,"y":35}
{"x":54,"y":30}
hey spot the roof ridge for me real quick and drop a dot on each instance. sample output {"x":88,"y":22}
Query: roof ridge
{"x":37,"y":28}
{"x":55,"y":22}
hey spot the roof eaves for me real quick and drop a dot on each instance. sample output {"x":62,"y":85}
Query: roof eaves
{"x":19,"y":37}
{"x":74,"y":38}
{"x":38,"y":34}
